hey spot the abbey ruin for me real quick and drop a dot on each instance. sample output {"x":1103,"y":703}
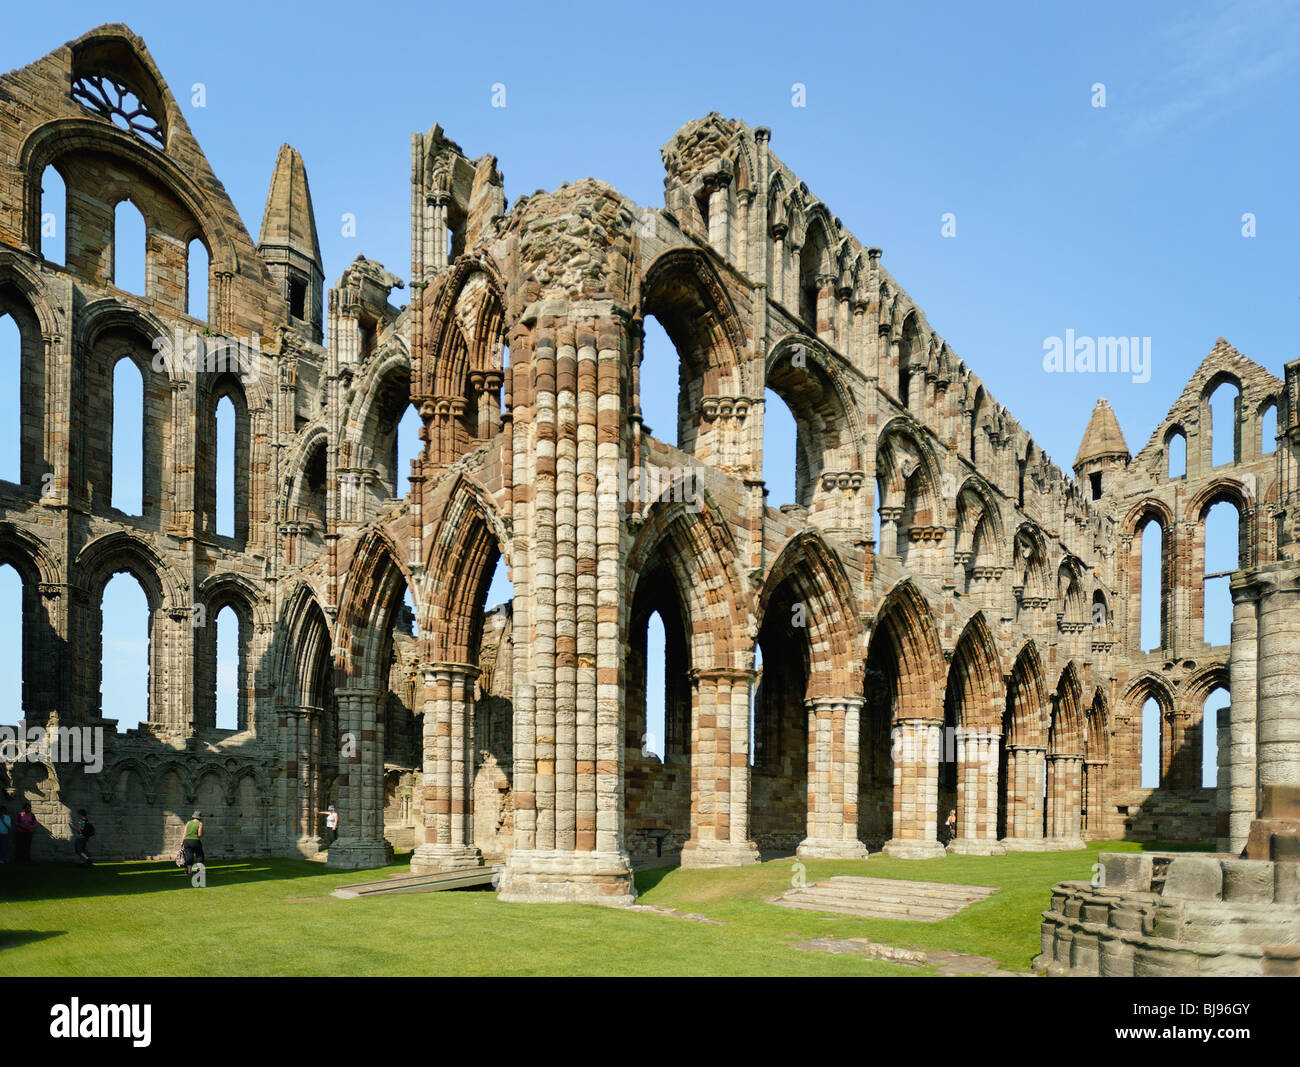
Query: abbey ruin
{"x":946,"y":619}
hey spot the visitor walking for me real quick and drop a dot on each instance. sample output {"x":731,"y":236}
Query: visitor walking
{"x":331,"y":824}
{"x":26,"y":826}
{"x":193,"y":845}
{"x":950,"y":826}
{"x":6,"y":824}
{"x":82,"y":831}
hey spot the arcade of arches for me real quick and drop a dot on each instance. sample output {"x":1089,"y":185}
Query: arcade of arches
{"x":942,"y":620}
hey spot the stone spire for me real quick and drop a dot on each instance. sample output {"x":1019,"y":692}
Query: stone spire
{"x":288,"y":242}
{"x":1103,"y":447}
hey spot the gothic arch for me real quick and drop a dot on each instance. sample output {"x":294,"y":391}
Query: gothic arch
{"x":976,"y":670}
{"x":905,"y":623}
{"x":819,"y":583}
{"x":1027,"y":716}
{"x":372,"y":590}
{"x":683,"y":290}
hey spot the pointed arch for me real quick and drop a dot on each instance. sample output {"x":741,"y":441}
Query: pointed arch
{"x":976,"y":677}
{"x":905,"y":627}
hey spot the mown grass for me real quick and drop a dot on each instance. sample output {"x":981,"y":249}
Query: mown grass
{"x":251,"y":919}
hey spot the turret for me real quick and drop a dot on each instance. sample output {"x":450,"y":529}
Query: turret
{"x":1102,"y":451}
{"x":288,"y":243}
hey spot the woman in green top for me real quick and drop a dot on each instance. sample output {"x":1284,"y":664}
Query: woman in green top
{"x":193,"y":846}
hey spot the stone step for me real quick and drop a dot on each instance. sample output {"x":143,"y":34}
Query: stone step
{"x":869,"y":909}
{"x":885,"y":898}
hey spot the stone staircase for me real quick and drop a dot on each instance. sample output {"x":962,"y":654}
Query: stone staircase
{"x":884,"y":898}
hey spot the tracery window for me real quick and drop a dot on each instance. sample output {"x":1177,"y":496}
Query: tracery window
{"x":118,"y":103}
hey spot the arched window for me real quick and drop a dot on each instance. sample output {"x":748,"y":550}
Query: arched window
{"x":1100,"y":611}
{"x":228,"y":669}
{"x":660,"y":377}
{"x":130,"y":255}
{"x":1268,"y":429}
{"x":753,"y":703}
{"x":780,"y":451}
{"x":501,"y":590}
{"x":11,"y":649}
{"x":1151,"y":729}
{"x":124,"y":661}
{"x":197,"y":265}
{"x":1222,"y":557}
{"x":1176,"y":449}
{"x":655,"y":694}
{"x":410,"y":620}
{"x":1152,"y":596}
{"x":1210,"y":737}
{"x":1224,"y":424}
{"x":409,"y":446}
{"x":54,"y":216}
{"x":225,"y":466}
{"x":11,"y":366}
{"x":128,"y":438}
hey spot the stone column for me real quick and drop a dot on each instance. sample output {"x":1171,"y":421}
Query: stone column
{"x":1237,"y":800}
{"x":719,"y":216}
{"x":977,"y":792}
{"x":889,"y":517}
{"x":1094,"y":798}
{"x":1025,"y":773}
{"x":834,"y":740}
{"x":719,"y":770}
{"x":448,"y":768}
{"x":916,"y":751}
{"x":1279,"y":698}
{"x":361,"y":840}
{"x":1064,"y":785}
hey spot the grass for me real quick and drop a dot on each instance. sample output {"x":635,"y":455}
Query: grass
{"x":252,"y":919}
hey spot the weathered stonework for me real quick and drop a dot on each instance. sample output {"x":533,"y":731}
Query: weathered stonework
{"x":922,"y":608}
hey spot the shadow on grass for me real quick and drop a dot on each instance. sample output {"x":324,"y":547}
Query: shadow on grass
{"x":55,"y":881}
{"x":647,"y":880}
{"x":14,"y":938}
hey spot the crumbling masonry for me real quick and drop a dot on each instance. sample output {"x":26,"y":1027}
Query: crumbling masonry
{"x":947,"y":620}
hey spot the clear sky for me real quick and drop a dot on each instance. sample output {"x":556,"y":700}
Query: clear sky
{"x":1118,"y":220}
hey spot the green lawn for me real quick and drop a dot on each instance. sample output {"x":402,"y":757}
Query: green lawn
{"x":145,"y":919}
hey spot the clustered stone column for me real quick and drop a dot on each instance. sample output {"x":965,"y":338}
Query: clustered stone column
{"x":916,"y":790}
{"x":834,"y":740}
{"x":1278,"y":724}
{"x":448,"y":767}
{"x":361,"y":840}
{"x":977,"y":792}
{"x":1064,"y":799}
{"x":1025,"y":770}
{"x":720,"y":770}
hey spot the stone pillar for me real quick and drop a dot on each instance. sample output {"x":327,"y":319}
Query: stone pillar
{"x":1278,"y":712}
{"x":889,"y":517}
{"x":977,"y":792}
{"x":719,"y":215}
{"x":720,"y":770}
{"x":1064,"y":787}
{"x":1094,"y":798}
{"x":1025,"y":774}
{"x":1238,"y":799}
{"x":833,"y":746}
{"x":361,"y":840}
{"x":916,"y":751}
{"x":448,"y":768}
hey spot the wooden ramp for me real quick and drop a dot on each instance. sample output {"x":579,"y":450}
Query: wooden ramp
{"x":885,"y":898}
{"x":418,"y":883}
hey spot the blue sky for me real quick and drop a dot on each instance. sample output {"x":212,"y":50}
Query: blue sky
{"x":1122,"y":220}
